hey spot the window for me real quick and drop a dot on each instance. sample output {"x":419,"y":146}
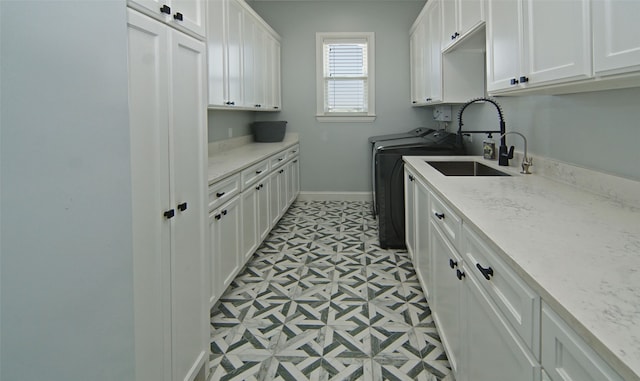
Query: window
{"x":345,"y":77}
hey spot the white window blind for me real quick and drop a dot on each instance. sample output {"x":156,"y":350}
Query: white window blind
{"x":345,"y":77}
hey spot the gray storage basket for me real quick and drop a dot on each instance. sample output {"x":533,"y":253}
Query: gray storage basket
{"x":268,"y":132}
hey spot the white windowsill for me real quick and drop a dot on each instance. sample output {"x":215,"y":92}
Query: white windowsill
{"x":345,"y":118}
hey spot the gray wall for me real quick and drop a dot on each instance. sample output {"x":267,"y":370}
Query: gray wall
{"x":66,"y":301}
{"x":595,"y":130}
{"x":334,"y":156}
{"x":225,"y":124}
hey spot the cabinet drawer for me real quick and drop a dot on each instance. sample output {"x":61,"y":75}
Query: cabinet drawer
{"x":566,"y":357}
{"x":293,"y":151}
{"x":223,"y":190}
{"x":516,"y":301}
{"x":446,"y":219}
{"x":278,"y":159}
{"x":253,"y":173}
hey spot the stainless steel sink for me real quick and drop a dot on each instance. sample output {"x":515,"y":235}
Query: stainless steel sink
{"x":465,"y":168}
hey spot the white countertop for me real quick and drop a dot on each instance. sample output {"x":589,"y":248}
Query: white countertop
{"x":580,"y":251}
{"x":229,"y":161}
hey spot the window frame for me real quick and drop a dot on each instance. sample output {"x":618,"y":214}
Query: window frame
{"x":323,"y":116}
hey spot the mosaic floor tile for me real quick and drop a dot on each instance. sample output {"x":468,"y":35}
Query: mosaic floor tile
{"x":320,"y":300}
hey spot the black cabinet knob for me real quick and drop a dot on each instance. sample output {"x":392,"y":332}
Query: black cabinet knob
{"x":414,"y":102}
{"x":276,"y":107}
{"x":230,"y":103}
{"x":258,"y":172}
{"x":281,"y":171}
{"x":258,"y":105}
{"x":411,"y":178}
{"x":182,"y":207}
{"x":439,"y":215}
{"x":460,"y":274}
{"x":514,"y":81}
{"x":524,"y":79}
{"x":486,"y":272}
{"x":169,"y":214}
{"x":165,"y":9}
{"x":452,"y":263}
{"x":429,"y":99}
{"x":261,"y":186}
{"x":220,"y":194}
{"x":224,"y":212}
{"x":178,"y":16}
{"x":455,"y":35}
{"x":217,"y":216}
{"x":258,"y":187}
{"x":295,"y":161}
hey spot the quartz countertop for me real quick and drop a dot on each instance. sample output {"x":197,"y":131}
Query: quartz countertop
{"x":226,"y":162}
{"x":579,"y":250}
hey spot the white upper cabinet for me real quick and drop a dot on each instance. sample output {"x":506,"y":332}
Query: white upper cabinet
{"x":537,"y":42}
{"x":453,"y":77}
{"x":616,"y":36}
{"x":460,"y":18}
{"x":243,"y":71}
{"x":187,"y":15}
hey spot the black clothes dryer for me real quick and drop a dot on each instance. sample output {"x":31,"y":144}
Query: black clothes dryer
{"x":389,"y":180}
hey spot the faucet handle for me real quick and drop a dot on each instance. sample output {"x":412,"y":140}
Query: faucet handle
{"x":509,"y":155}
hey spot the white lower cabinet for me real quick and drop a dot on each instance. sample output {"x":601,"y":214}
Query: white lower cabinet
{"x":243,"y":208}
{"x":566,"y":357}
{"x":225,"y":234}
{"x":493,"y":351}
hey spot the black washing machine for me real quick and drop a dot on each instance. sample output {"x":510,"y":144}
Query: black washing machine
{"x":389,"y":180}
{"x":402,"y":138}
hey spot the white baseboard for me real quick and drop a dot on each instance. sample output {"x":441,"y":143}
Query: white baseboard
{"x":335,"y":196}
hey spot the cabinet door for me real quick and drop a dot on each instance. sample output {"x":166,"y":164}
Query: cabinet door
{"x":264,"y":221}
{"x":446,"y":293}
{"x":547,"y":57}
{"x":274,"y":196}
{"x":272,"y":73}
{"x":192,"y":13}
{"x":449,"y":22}
{"x":233,"y":28}
{"x":149,"y":126}
{"x":434,"y":53}
{"x":470,"y":15}
{"x":410,"y":212}
{"x":249,"y":222}
{"x":217,"y":52}
{"x":189,"y":154}
{"x":283,"y":188}
{"x":423,"y":255}
{"x":491,"y":346}
{"x":504,"y":39}
{"x":249,"y":60}
{"x":293,"y":173}
{"x":616,"y":34}
{"x":419,"y":63}
{"x":225,"y":235}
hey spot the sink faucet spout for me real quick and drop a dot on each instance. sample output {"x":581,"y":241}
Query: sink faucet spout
{"x":526,"y":160}
{"x":504,"y":153}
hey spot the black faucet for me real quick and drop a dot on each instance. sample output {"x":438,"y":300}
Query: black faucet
{"x":504,"y":154}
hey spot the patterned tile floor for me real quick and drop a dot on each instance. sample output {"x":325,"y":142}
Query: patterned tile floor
{"x":320,"y":300}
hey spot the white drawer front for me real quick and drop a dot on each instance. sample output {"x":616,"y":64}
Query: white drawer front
{"x":566,"y":357}
{"x":516,"y":301}
{"x":278,"y":159}
{"x":446,"y":219}
{"x":254,"y":173}
{"x":223,"y":190}
{"x":293,"y":151}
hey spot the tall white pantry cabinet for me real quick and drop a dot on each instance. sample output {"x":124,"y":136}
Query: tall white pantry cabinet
{"x":168,"y":99}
